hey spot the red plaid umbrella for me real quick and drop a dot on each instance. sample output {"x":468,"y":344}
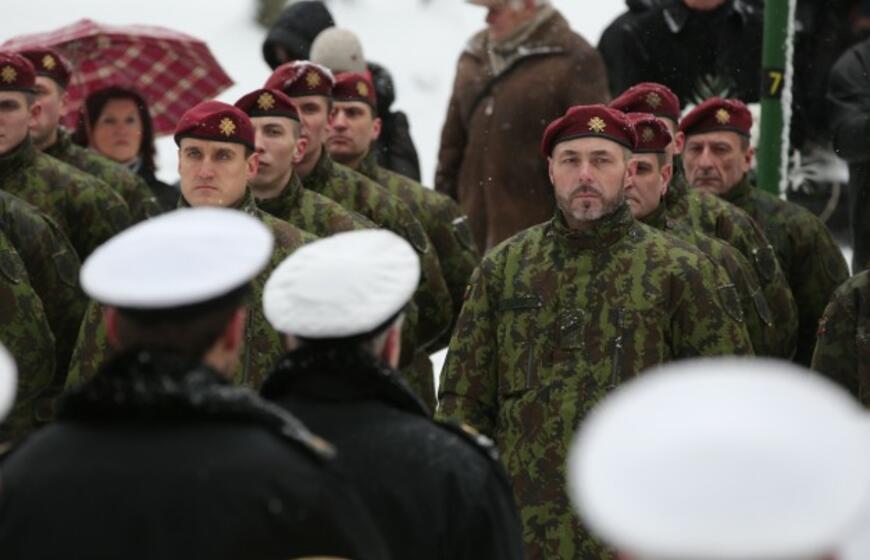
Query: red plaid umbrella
{"x":171,"y":70}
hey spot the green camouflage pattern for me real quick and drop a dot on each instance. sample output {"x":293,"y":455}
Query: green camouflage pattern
{"x":843,"y":338}
{"x":768,"y":339}
{"x":811,"y":260}
{"x":132,"y":188}
{"x":25,"y":332}
{"x":87,"y":210}
{"x":312,"y":212}
{"x":53,"y":269}
{"x":712,"y":216}
{"x":362,"y":195}
{"x":263,"y":346}
{"x":555,"y":319}
{"x":444,"y":223}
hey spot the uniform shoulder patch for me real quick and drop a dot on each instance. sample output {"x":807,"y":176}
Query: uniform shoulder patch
{"x":762,"y":308}
{"x":764,"y":260}
{"x":731,"y":302}
{"x":11,"y":267}
{"x":462,"y":231}
{"x":467,"y":432}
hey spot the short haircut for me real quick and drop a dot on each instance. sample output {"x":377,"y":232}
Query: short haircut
{"x":189,"y":330}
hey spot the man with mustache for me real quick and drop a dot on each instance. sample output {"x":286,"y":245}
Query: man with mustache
{"x":717,"y":159}
{"x":561,"y":313}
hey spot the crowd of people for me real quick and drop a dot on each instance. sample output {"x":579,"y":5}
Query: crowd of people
{"x":238,"y":366}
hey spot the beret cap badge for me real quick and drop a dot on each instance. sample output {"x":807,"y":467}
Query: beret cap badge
{"x":8,"y":74}
{"x":653,"y":100}
{"x":227,"y":126}
{"x":266,"y":101}
{"x":723,"y":116}
{"x":48,"y":62}
{"x":597,"y":125}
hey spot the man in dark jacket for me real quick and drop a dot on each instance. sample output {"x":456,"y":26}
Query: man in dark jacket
{"x":159,"y":456}
{"x":849,"y":99}
{"x":435,"y":491}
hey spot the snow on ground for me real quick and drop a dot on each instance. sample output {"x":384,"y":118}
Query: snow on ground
{"x":419,"y":43}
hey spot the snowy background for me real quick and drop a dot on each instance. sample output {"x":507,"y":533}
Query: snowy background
{"x":419,"y":43}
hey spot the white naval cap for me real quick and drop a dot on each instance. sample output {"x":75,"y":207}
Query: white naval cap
{"x":183,"y":257}
{"x":8,"y":381}
{"x":342,"y":286}
{"x":723,"y":459}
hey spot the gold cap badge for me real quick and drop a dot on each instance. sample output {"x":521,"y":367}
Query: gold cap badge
{"x":8,"y":74}
{"x":723,"y":116}
{"x":266,"y":101}
{"x":362,"y":89}
{"x":312,"y":79}
{"x":48,"y":62}
{"x":647,"y":135}
{"x":597,"y":125}
{"x":653,"y":100}
{"x":227,"y":126}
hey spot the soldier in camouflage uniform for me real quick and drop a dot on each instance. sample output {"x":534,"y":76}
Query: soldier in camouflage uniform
{"x":354,"y":129}
{"x":717,"y":158}
{"x":53,"y":269}
{"x":563,"y":312}
{"x":52,"y":78}
{"x":310,"y":87}
{"x":843,"y":339}
{"x":86,"y":209}
{"x":24,"y":330}
{"x":216,"y":159}
{"x":709,"y":217}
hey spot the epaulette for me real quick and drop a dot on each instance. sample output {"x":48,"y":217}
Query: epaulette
{"x":479,"y":441}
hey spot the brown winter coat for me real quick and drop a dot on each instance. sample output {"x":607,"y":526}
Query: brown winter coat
{"x":489,"y":160}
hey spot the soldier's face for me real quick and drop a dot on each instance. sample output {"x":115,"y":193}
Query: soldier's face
{"x":352,"y":129}
{"x":214,"y":173}
{"x":588,"y":176}
{"x":646,"y":184}
{"x":117,"y":133}
{"x":314,"y":114}
{"x":15,"y":119}
{"x":52,"y":99}
{"x":276,"y":141}
{"x":716,"y":161}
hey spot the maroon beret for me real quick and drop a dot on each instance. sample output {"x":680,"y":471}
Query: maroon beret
{"x":717,"y":114}
{"x":649,"y":97}
{"x":49,"y":63}
{"x":301,"y":77}
{"x":651,"y":134}
{"x":16,"y":73}
{"x":583,"y":121}
{"x":268,"y":103}
{"x":216,"y":121}
{"x":354,"y":86}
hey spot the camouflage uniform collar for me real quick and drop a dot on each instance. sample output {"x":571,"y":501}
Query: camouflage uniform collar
{"x":369,"y":165}
{"x":246,"y":204}
{"x":606,"y":231}
{"x":340,"y":374}
{"x":289,"y":198}
{"x":658,"y":218}
{"x":739,"y":194}
{"x":62,"y":145}
{"x":18,"y":158}
{"x":319,"y":176}
{"x":154,"y":386}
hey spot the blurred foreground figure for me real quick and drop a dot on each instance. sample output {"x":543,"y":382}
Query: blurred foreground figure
{"x":158,"y":456}
{"x":514,"y":77}
{"x":435,"y":490}
{"x":724,"y":460}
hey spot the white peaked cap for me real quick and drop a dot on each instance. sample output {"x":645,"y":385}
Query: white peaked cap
{"x":723,"y":459}
{"x":183,"y":257}
{"x":342,"y":286}
{"x":8,"y":382}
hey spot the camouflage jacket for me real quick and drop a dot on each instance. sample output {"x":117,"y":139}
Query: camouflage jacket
{"x":53,"y":269}
{"x":768,"y":338}
{"x":312,"y":212}
{"x":843,"y":343}
{"x":24,"y":330}
{"x":362,"y":195}
{"x":555,"y":319}
{"x":132,"y":188}
{"x":444,"y":223}
{"x":811,"y":260}
{"x":85,"y":208}
{"x":712,"y":216}
{"x":263,"y":346}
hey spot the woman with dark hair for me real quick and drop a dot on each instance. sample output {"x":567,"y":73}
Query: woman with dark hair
{"x":116,"y":123}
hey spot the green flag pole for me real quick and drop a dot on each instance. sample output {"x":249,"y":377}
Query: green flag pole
{"x":775,"y":94}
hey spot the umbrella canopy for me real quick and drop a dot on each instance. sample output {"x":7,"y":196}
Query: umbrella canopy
{"x":171,"y":70}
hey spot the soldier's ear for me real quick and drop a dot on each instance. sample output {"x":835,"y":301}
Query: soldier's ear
{"x":300,"y":150}
{"x":253,"y":164}
{"x":550,"y":170}
{"x":377,"y":126}
{"x":35,"y":111}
